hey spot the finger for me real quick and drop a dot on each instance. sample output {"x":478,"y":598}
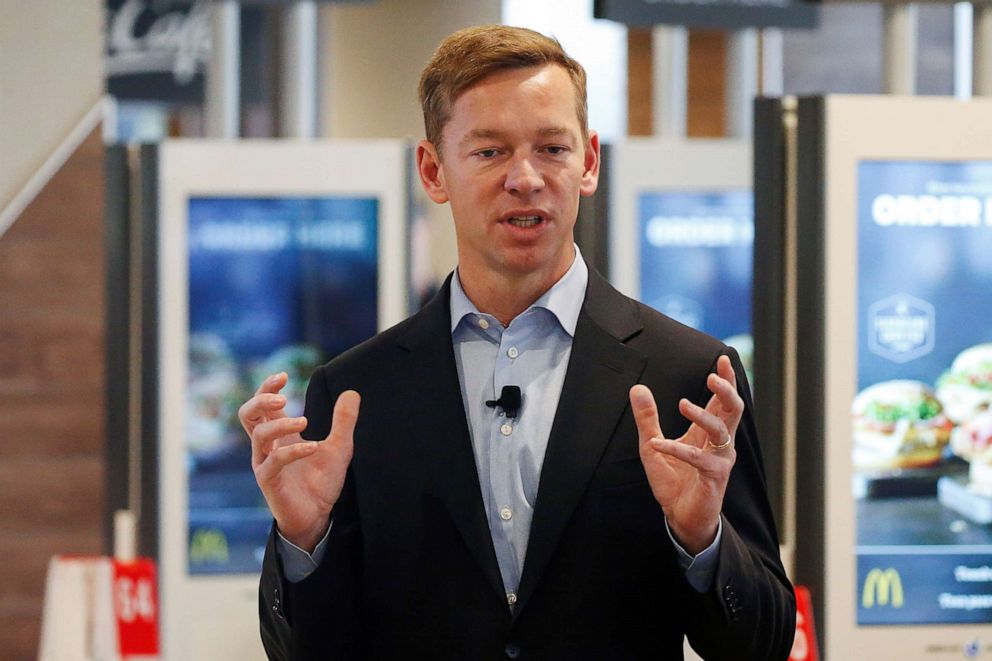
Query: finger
{"x":725,"y":401}
{"x":284,"y":456}
{"x":726,"y":370}
{"x":265,"y":435}
{"x":645,"y":411}
{"x":251,"y":413}
{"x":283,"y":441}
{"x":273,"y":383}
{"x":711,"y":464}
{"x":714,"y":426}
{"x":345,"y":417}
{"x":258,"y":409}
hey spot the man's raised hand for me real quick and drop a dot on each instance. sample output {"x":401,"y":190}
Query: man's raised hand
{"x":688,"y":476}
{"x":300,"y":480}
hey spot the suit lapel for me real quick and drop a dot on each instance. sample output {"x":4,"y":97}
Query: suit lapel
{"x":600,"y":373}
{"x":436,"y":414}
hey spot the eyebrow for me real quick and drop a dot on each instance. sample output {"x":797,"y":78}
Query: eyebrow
{"x":488,"y":134}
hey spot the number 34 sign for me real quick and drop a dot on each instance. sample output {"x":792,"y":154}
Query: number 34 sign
{"x":136,"y":607}
{"x":100,"y":608}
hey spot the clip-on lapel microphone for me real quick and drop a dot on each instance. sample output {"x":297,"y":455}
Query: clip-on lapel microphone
{"x":509,"y":400}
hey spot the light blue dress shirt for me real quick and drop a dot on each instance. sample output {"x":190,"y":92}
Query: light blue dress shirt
{"x":532,"y":353}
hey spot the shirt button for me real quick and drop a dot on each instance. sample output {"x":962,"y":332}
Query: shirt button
{"x":511,"y":598}
{"x":506,"y":514}
{"x":512,"y":352}
{"x":483,"y":323}
{"x":506,"y":429}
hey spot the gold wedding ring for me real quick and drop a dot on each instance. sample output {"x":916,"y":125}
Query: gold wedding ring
{"x":722,"y":446}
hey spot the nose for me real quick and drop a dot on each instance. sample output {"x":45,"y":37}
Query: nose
{"x":522,"y":177}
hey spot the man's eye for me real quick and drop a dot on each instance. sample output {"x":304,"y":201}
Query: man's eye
{"x":486,"y":153}
{"x":554,"y":150}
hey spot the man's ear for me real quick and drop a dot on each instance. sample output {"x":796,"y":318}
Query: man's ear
{"x":590,"y":172}
{"x":431,"y":172}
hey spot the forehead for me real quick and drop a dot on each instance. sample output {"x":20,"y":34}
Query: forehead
{"x":515,"y":96}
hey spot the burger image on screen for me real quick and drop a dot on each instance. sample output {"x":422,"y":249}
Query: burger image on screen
{"x":965,"y":390}
{"x":897,"y":425}
{"x":972,"y":441}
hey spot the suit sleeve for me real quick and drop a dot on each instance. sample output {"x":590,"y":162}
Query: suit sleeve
{"x":320,"y":616}
{"x":750,"y":611}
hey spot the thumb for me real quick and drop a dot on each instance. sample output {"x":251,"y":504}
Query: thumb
{"x":645,"y":413}
{"x":345,"y":417}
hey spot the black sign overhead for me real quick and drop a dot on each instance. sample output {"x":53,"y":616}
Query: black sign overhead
{"x":157,"y":49}
{"x":290,"y":2}
{"x":709,"y":13}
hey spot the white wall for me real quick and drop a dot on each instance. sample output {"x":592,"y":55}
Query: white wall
{"x":599,"y":45}
{"x":373,"y":55}
{"x":51,"y":74}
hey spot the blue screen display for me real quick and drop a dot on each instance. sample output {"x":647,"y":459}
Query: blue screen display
{"x":696,"y":254}
{"x":922,"y":446}
{"x":275,"y":284}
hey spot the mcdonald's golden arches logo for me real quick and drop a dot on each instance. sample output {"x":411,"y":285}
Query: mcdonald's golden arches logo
{"x":884,"y":587}
{"x":208,"y":545}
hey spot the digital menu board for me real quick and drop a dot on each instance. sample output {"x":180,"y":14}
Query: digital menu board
{"x":275,"y":284}
{"x":681,"y":231}
{"x":696,"y":260}
{"x":922,"y":416}
{"x":269,"y":256}
{"x":886,"y":210}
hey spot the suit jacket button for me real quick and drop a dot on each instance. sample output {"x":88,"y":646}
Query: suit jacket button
{"x":512,"y":651}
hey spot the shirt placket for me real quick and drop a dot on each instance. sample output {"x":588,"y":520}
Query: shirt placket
{"x":505,"y":439}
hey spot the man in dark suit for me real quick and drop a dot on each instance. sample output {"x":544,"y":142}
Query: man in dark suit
{"x":452,"y":519}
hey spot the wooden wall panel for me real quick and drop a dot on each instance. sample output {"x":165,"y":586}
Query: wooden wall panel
{"x":32,"y":428}
{"x":707,"y":116}
{"x":51,"y":389}
{"x":707,"y":93}
{"x":640,"y":82}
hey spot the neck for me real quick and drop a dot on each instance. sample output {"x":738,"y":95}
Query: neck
{"x":506,"y":295}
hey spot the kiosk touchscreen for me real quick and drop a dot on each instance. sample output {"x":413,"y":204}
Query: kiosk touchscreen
{"x":681,"y":232}
{"x":272,"y":258}
{"x":895,"y":395}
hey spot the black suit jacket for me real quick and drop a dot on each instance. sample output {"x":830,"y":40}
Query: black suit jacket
{"x":410,"y":571}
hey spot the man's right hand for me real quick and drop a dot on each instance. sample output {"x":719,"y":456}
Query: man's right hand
{"x":300,"y":480}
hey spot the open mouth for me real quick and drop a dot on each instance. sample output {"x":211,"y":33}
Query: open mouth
{"x":524,"y":221}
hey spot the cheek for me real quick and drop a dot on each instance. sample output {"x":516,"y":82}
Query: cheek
{"x":469,"y":223}
{"x":468,"y":189}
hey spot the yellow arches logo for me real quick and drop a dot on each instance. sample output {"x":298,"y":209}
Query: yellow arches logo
{"x":883,"y":586}
{"x":208,"y":545}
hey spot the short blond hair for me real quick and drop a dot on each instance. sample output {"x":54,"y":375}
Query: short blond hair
{"x":471,"y":54}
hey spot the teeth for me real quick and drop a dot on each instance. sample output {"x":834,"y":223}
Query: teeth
{"x":524,"y":221}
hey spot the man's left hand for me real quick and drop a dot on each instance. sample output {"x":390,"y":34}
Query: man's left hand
{"x":689,"y":475}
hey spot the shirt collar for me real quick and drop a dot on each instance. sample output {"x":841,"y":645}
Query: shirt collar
{"x":564,"y":299}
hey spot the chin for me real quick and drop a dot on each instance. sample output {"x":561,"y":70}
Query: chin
{"x":531,"y":259}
